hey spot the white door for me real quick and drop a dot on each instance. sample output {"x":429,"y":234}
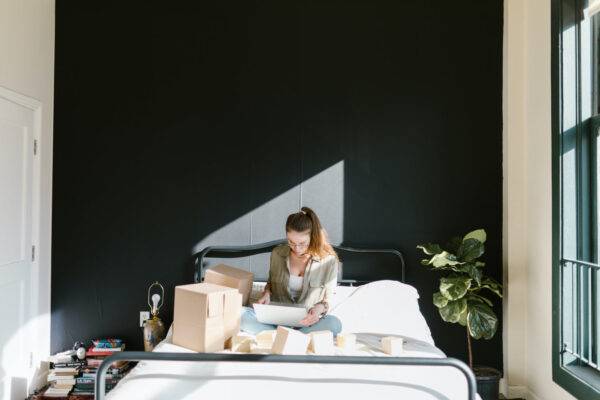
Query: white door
{"x":16,"y":246}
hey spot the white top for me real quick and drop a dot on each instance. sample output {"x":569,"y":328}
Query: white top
{"x":295,"y":286}
{"x":295,"y":283}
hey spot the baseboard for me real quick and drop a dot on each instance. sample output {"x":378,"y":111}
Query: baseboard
{"x":531,"y":396}
{"x":503,"y":386}
{"x":512,"y":392}
{"x":518,"y":392}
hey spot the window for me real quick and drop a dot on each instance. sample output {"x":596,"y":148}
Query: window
{"x":576,"y":243}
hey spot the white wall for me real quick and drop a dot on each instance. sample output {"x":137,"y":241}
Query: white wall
{"x":27,"y":67}
{"x":514,"y":205}
{"x":528,"y":198}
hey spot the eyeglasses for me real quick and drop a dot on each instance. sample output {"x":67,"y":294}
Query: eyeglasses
{"x":298,"y":245}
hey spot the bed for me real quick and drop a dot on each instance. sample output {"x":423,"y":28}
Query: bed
{"x":369,"y":308}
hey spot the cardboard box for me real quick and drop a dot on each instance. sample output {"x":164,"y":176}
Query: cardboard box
{"x":232,"y":277}
{"x":321,"y":343}
{"x":205,"y":316}
{"x":346,"y":341}
{"x":392,"y":345}
{"x":290,"y":341}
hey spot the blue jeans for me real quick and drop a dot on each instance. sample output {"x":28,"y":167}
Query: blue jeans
{"x":251,"y":325}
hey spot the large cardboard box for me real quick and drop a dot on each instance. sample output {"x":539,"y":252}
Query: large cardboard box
{"x":232,"y":277}
{"x":205,"y":316}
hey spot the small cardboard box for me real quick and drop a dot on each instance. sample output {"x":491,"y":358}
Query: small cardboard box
{"x":257,"y":349}
{"x":346,"y":341}
{"x":242,"y":343}
{"x":392,"y":345}
{"x":232,"y":277}
{"x":290,"y":341}
{"x":321,"y":343}
{"x":205,"y":316}
{"x":266,"y":338}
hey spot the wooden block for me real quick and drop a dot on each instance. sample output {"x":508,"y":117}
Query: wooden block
{"x":258,"y":349}
{"x":346,"y":341}
{"x":266,"y":336}
{"x":321,"y":343}
{"x":242,"y":343}
{"x":392,"y":345}
{"x":290,"y":341}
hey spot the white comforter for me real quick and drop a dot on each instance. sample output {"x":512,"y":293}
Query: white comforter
{"x":379,"y":309}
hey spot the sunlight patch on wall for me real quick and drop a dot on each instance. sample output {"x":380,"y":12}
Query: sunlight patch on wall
{"x":324,"y":193}
{"x":20,"y":360}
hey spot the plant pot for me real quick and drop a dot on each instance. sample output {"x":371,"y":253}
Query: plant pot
{"x":488,"y":382}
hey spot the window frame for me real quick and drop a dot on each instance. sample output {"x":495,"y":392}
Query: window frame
{"x":575,"y":384}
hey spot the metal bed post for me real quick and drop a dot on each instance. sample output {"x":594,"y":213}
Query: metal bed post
{"x":215,"y":357}
{"x":243,"y":251}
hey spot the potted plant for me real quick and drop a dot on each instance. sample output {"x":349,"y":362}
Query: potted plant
{"x":463,"y":297}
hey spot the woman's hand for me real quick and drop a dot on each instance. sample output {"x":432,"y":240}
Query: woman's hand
{"x":313,"y":315}
{"x":265,"y":298}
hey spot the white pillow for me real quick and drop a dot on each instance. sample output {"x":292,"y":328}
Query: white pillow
{"x":384,"y":307}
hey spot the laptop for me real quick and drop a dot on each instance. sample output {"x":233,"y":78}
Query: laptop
{"x":280,"y":314}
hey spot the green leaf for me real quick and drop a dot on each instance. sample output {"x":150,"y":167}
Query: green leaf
{"x":453,"y":310}
{"x":469,"y":250}
{"x":462,"y":319}
{"x":478,"y":234}
{"x":439,"y":300}
{"x":455,"y":286}
{"x":454,"y":244}
{"x":430,"y":249}
{"x":492,"y":285}
{"x":443,"y":260}
{"x":481,"y":321}
{"x":473,"y":271}
{"x":479,"y":264}
{"x":477,"y":298}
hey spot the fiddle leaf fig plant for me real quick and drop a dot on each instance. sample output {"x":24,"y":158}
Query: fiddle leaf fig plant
{"x":464,"y":290}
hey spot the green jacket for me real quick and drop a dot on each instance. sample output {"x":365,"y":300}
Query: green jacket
{"x":320,"y":279}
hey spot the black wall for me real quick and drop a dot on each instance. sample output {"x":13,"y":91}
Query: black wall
{"x":171,"y":120}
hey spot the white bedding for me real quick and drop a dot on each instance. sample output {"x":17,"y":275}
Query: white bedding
{"x":371,"y":311}
{"x":382,"y":307}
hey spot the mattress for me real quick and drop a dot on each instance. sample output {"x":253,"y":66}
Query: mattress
{"x":360,"y":310}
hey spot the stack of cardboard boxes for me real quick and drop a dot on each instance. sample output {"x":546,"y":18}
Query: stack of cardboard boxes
{"x":207,"y":319}
{"x":208,"y":314}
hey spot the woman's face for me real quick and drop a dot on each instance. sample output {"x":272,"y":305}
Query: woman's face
{"x":298,"y":242}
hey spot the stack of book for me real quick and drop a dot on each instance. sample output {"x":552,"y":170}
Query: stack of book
{"x":69,"y":375}
{"x":62,"y":376}
{"x":84,"y":384}
{"x":95,"y":355}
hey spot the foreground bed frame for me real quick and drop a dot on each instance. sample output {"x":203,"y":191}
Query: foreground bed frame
{"x":244,"y":251}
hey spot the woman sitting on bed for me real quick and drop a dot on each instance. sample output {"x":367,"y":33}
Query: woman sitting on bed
{"x":304,"y":271}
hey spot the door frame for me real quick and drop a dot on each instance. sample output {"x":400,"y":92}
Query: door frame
{"x":39,"y":309}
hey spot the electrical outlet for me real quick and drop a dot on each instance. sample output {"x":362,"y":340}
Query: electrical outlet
{"x":144,"y":315}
